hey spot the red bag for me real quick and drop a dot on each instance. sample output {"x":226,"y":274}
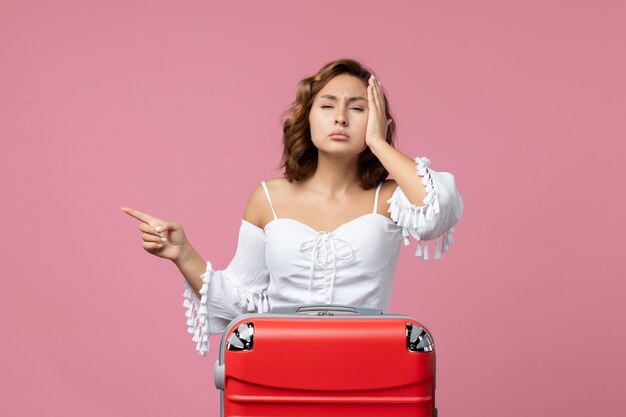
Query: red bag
{"x":326,"y":360}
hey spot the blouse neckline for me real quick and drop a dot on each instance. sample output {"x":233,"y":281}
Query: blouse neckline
{"x":335,"y":230}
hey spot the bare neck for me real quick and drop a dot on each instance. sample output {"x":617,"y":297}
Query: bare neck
{"x":335,"y":176}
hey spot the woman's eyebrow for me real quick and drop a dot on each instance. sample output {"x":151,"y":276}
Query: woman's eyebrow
{"x":331,"y":97}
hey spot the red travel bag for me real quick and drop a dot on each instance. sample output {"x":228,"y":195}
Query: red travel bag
{"x":326,"y":360}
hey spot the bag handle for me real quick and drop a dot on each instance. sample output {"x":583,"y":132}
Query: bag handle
{"x":326,"y":310}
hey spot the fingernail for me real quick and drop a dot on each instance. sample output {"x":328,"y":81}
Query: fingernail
{"x":158,"y":228}
{"x":159,"y":245}
{"x":164,"y":239}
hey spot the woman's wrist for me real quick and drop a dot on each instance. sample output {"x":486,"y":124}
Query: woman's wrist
{"x":377,"y":145}
{"x":192,"y":266}
{"x":186,"y":253}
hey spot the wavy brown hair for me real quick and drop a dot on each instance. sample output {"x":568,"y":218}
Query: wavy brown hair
{"x":299,"y":153}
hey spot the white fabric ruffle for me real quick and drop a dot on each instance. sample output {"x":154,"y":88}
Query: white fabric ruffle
{"x":435,"y":219}
{"x":199,"y":312}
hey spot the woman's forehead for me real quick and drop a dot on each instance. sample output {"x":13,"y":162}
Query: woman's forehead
{"x":343,"y":85}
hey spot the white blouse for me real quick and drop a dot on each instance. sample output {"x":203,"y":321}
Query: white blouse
{"x":288,"y":262}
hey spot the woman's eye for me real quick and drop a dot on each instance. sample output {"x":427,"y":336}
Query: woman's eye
{"x":354,"y":108}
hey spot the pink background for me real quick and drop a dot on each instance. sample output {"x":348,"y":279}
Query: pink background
{"x":173,"y":108}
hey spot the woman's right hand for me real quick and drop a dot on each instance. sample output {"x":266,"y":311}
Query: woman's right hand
{"x":162,"y":238}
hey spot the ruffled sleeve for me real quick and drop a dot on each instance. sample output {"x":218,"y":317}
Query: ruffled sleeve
{"x":435,"y":219}
{"x":226,"y":294}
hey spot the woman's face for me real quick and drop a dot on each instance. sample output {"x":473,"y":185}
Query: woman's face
{"x":340,"y":106}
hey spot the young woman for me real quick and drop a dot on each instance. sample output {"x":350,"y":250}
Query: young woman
{"x":329,"y":230}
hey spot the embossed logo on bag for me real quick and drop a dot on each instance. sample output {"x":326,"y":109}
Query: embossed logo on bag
{"x":325,"y":313}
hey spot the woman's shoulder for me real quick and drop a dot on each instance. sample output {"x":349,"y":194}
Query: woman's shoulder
{"x":281,"y":182}
{"x":281,"y":188}
{"x":387,"y":188}
{"x":258,"y":210}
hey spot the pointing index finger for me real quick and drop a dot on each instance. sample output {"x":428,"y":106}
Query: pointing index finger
{"x":137,"y":214}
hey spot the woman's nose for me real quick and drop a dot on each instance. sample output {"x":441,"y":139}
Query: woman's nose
{"x":340,"y":116}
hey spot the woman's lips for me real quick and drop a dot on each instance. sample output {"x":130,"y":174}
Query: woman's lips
{"x":339,"y":136}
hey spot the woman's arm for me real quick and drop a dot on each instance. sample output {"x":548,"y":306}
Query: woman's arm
{"x":191,"y":266}
{"x":178,"y":249}
{"x":167,"y":239}
{"x":426,"y":203}
{"x":213,"y":297}
{"x":400,"y":166}
{"x":225,"y":294}
{"x":402,"y":169}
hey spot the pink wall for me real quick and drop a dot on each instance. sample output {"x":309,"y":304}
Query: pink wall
{"x":173,"y":108}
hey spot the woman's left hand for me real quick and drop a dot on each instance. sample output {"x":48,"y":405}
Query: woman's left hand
{"x":377,"y":121}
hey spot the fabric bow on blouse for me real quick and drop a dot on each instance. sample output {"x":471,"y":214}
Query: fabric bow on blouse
{"x":321,"y":246}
